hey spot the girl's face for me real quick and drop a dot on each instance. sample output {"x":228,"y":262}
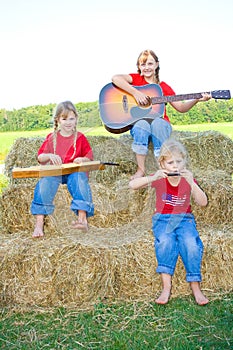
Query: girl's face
{"x":148,"y":67}
{"x":67,"y":125}
{"x":174,"y":163}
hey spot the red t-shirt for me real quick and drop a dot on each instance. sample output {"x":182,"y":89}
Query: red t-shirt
{"x":172,"y":199}
{"x":65,"y":147}
{"x":139,"y":80}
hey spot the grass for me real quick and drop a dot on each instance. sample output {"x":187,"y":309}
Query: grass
{"x":7,"y":138}
{"x":180,"y":325}
{"x":224,"y":128}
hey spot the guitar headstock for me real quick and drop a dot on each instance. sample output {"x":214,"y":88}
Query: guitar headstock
{"x":221,"y":94}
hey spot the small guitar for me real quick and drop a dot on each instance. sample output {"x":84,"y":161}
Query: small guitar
{"x":119,"y":110}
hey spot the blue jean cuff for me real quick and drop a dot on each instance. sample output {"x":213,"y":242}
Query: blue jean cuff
{"x":39,"y":209}
{"x":77,"y":205}
{"x":140,"y":149}
{"x":165,"y":269}
{"x":193,"y":277}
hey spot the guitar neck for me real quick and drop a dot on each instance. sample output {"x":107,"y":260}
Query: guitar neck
{"x":173,"y":98}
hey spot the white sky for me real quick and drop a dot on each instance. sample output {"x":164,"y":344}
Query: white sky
{"x":53,"y":50}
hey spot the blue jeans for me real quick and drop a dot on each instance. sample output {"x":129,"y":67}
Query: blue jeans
{"x":176,"y":234}
{"x":143,"y":132}
{"x":78,"y":186}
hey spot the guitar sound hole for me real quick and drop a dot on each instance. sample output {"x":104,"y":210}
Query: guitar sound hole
{"x":125,"y":104}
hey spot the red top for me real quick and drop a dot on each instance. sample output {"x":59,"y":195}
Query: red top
{"x":65,"y":147}
{"x":138,"y":80}
{"x":172,"y":199}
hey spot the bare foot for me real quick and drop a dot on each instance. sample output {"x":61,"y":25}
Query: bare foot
{"x":80,"y":225}
{"x":198,"y":295}
{"x":200,"y":298}
{"x":164,"y":297}
{"x":38,"y":232}
{"x":139,"y":173}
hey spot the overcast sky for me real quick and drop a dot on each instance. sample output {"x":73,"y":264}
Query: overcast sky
{"x":53,"y":50}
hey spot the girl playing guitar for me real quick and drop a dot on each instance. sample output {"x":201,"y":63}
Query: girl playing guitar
{"x":158,"y":129}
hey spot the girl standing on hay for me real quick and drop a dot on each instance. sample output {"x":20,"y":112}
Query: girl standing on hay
{"x":64,"y":145}
{"x":158,"y":129}
{"x":173,"y":223}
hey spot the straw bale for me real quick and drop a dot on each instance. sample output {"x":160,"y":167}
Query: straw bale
{"x":114,"y":207}
{"x":73,"y":270}
{"x":115,"y":259}
{"x":115,"y":204}
{"x":218,"y":188}
{"x":208,"y":150}
{"x":112,"y":150}
{"x":23,"y":153}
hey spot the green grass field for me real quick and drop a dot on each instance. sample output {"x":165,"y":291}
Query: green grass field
{"x":180,"y":325}
{"x":8,"y":138}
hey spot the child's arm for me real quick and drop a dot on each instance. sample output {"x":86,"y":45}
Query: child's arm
{"x":197,"y":193}
{"x":144,"y":181}
{"x":49,"y":157}
{"x":82,"y":160}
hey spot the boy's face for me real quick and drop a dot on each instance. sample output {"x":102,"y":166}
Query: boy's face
{"x":174,"y":163}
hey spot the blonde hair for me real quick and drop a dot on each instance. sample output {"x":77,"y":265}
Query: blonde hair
{"x":62,"y":111}
{"x":142,"y":58}
{"x":171,"y":146}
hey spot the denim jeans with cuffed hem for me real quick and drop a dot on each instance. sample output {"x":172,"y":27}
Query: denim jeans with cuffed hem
{"x":143,"y":132}
{"x":176,"y":234}
{"x":47,"y":187}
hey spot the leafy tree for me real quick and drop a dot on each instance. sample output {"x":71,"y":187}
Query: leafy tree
{"x":41,"y":116}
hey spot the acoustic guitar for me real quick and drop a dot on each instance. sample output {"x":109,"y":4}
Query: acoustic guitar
{"x":119,"y":110}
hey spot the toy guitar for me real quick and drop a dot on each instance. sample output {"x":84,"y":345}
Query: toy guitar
{"x":119,"y":110}
{"x":56,"y":170}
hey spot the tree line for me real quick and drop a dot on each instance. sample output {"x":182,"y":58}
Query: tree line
{"x":41,"y":116}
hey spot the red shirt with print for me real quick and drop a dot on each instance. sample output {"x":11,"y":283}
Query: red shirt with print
{"x":172,"y":199}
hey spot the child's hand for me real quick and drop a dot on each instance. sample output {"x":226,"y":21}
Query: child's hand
{"x":141,"y":98}
{"x":79,"y":160}
{"x":187,"y":175}
{"x":55,"y":159}
{"x":205,"y":97}
{"x":160,"y":174}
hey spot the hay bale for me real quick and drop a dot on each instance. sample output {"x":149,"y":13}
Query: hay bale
{"x":208,"y":150}
{"x":77,"y":271}
{"x":115,"y":260}
{"x":23,"y":153}
{"x":218,"y":188}
{"x":115,"y":204}
{"x":115,"y":207}
{"x":118,"y":205}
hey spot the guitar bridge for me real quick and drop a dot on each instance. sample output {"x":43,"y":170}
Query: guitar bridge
{"x":125,"y":104}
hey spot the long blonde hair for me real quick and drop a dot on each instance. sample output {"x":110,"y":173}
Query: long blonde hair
{"x":62,"y":110}
{"x":142,"y":58}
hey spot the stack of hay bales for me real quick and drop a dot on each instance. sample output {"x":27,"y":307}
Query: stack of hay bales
{"x":115,"y":259}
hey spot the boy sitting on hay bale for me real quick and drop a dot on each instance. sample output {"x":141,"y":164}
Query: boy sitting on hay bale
{"x":64,"y":145}
{"x":174,"y":226}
